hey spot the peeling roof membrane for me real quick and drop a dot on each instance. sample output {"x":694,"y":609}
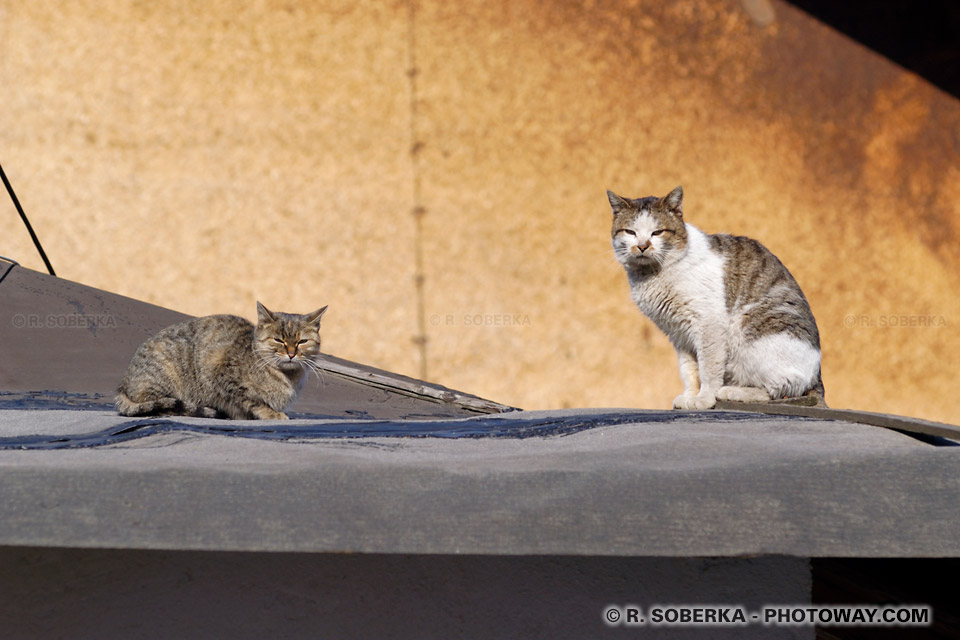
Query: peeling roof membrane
{"x":519,"y":425}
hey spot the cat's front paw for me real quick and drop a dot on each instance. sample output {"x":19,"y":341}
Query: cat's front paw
{"x":698,"y":402}
{"x":266,"y":413}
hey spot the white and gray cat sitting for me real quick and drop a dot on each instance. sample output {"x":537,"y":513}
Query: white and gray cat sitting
{"x":223,"y":366}
{"x":740,"y":324}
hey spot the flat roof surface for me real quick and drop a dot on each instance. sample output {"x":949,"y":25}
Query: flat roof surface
{"x":581,"y":482}
{"x":375,"y":462}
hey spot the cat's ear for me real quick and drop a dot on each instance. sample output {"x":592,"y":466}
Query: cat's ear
{"x":617,"y":203}
{"x":264,"y":314}
{"x":673,"y":202}
{"x":314,"y":318}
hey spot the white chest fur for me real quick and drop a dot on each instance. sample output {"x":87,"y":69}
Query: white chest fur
{"x":686,"y":298}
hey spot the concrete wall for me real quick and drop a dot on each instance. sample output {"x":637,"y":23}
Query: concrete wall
{"x":436,"y":172}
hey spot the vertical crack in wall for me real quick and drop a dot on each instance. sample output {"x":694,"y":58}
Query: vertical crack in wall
{"x":418,"y":210}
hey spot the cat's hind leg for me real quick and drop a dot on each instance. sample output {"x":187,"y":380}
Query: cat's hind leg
{"x":743,"y":394}
{"x":782,"y":365}
{"x":129,"y":407}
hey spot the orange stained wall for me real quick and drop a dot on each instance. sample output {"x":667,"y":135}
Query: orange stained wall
{"x":435,"y":172}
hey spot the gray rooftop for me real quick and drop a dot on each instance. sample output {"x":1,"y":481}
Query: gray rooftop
{"x":378,"y":463}
{"x":657,"y":484}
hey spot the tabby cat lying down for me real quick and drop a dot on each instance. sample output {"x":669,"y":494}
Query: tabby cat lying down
{"x":223,"y":366}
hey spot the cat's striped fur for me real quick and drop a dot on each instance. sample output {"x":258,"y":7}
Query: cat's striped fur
{"x":223,"y":366}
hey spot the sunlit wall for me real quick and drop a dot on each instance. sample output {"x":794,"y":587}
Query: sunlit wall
{"x":435,"y":172}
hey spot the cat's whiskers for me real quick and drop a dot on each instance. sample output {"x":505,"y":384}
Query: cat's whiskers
{"x":264,"y":358}
{"x":314,"y":367}
{"x":269,"y":359}
{"x":659,"y":257}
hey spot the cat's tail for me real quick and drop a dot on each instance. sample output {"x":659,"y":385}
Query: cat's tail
{"x":128,"y":407}
{"x":817,"y":392}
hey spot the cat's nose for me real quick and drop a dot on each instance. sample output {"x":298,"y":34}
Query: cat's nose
{"x":644,"y":246}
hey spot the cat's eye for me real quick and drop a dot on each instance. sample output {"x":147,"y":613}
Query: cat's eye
{"x":302,"y":342}
{"x":658,"y":232}
{"x":629,"y":232}
{"x":278,"y":340}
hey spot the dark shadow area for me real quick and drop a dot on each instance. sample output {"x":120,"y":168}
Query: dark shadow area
{"x":889,"y":581}
{"x":97,"y":594}
{"x":922,"y":36}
